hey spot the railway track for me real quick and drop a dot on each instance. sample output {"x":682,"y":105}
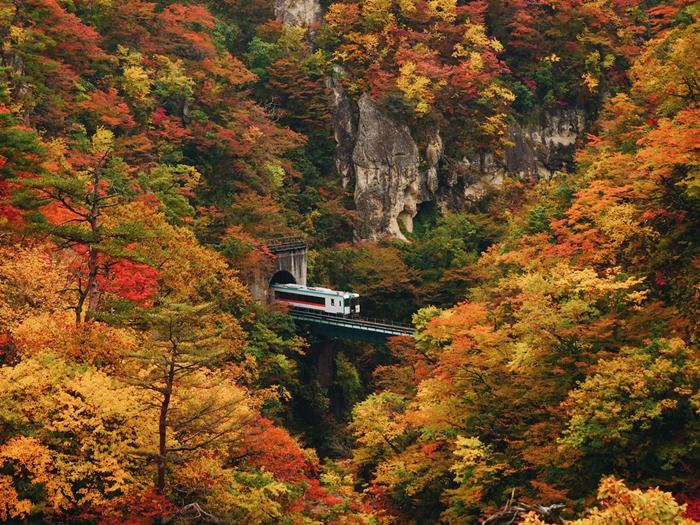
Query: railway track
{"x":367,"y":325}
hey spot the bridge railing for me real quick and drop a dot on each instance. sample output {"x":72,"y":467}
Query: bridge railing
{"x":366,"y":321}
{"x":287,"y":243}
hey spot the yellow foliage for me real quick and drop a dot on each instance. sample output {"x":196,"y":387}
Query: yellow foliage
{"x":590,"y":81}
{"x":495,"y":125}
{"x":620,"y":505}
{"x":206,"y":406}
{"x":411,"y":469}
{"x":29,"y":460}
{"x":494,"y":91}
{"x":550,"y":300}
{"x":360,"y":47}
{"x":475,"y":37}
{"x":436,"y":407}
{"x":31,"y":281}
{"x":171,"y":79}
{"x":415,"y":88}
{"x":137,"y":82}
{"x":408,"y":7}
{"x":620,"y":223}
{"x":96,"y":343}
{"x":88,"y":426}
{"x":17,"y":34}
{"x":240,"y":497}
{"x":102,"y":141}
{"x":476,"y":62}
{"x":632,"y":392}
{"x":10,"y":504}
{"x":475,"y":40}
{"x":443,"y":9}
{"x":376,"y":8}
{"x":667,"y":69}
{"x":376,"y":423}
{"x":474,"y":468}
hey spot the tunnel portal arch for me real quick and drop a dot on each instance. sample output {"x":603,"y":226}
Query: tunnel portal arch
{"x":282,"y":277}
{"x":289,"y":267}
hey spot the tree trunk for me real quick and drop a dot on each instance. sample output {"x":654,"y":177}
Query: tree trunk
{"x":92,"y":295}
{"x":93,"y":253}
{"x":163,"y":423}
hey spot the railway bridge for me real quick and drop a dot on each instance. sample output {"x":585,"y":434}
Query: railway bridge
{"x":291,"y":268}
{"x":356,"y":329}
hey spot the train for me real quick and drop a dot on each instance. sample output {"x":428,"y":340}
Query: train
{"x":345,"y":304}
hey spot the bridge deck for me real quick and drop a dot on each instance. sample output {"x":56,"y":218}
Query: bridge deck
{"x":362,"y":325}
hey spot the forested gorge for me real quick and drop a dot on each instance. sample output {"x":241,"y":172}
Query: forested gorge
{"x":149,"y":150}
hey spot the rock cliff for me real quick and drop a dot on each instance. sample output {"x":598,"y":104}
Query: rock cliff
{"x":345,"y":117}
{"x":390,"y":179}
{"x":540,"y":146}
{"x":545,"y":144}
{"x":392,"y":176}
{"x":304,"y":13}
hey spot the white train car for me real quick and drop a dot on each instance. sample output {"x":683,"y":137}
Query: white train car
{"x":346,"y":304}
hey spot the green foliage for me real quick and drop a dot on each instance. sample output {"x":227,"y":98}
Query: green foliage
{"x":639,"y":408}
{"x":347,"y":380}
{"x":172,"y":185}
{"x":442,"y":255}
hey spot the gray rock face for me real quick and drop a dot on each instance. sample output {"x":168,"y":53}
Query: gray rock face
{"x":392,"y":176}
{"x":298,"y":13}
{"x":540,"y":147}
{"x":389,"y":183}
{"x":345,"y":116}
{"x":545,"y":145}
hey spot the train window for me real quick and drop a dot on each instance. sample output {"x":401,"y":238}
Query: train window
{"x":300,"y":298}
{"x":332,"y":302}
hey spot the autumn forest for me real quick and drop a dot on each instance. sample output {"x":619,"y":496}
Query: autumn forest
{"x":518,"y":180}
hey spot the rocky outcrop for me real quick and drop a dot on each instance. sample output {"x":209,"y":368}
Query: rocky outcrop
{"x":541,"y":146}
{"x":345,"y":116}
{"x":544,"y":145}
{"x":299,"y":13}
{"x":389,"y":181}
{"x":392,"y":176}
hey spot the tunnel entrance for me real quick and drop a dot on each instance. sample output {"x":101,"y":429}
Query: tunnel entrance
{"x":283,"y":277}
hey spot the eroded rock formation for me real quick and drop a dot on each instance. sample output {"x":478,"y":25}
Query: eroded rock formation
{"x":546,"y":144}
{"x":392,"y":175}
{"x":345,"y":116}
{"x":390,"y":179}
{"x":299,"y":13}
